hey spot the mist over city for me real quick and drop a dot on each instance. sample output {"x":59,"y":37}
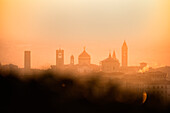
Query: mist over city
{"x":79,"y":56}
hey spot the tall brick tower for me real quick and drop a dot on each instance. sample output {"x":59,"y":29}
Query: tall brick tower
{"x":27,"y":60}
{"x":124,"y":55}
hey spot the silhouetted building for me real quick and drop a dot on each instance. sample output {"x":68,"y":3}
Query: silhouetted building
{"x":9,"y":67}
{"x":156,"y":76}
{"x":160,"y":88}
{"x":27,"y":60}
{"x":84,"y":63}
{"x":124,"y":55}
{"x":114,"y":55}
{"x":111,"y":64}
{"x":59,"y":58}
{"x":84,"y":58}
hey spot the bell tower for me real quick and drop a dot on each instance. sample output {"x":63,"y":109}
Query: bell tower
{"x":114,"y":55}
{"x":124,"y":55}
{"x":59,"y":58}
{"x":27,"y":60}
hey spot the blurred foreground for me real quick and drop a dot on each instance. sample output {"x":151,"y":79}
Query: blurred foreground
{"x":48,"y":91}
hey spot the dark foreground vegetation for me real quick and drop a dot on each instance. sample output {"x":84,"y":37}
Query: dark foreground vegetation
{"x":50,"y":92}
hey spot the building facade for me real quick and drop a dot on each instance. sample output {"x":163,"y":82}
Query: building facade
{"x":110,"y":64}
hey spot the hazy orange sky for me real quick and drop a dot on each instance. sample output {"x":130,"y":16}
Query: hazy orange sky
{"x":43,"y":26}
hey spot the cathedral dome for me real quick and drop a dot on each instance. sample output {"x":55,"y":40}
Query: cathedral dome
{"x":84,"y":58}
{"x":84,"y":54}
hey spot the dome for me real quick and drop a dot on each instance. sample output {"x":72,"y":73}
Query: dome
{"x":84,"y":54}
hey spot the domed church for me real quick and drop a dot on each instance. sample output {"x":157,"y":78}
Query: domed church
{"x":84,"y":58}
{"x":84,"y":63}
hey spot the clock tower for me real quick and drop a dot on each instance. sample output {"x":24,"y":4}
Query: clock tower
{"x":59,"y":58}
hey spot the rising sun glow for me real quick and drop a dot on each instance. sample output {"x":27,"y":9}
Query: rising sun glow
{"x":42,"y":26}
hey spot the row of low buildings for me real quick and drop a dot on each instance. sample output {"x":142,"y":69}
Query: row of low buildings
{"x":152,"y":82}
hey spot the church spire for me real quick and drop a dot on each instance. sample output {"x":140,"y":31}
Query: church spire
{"x":110,"y":55}
{"x":114,"y":55}
{"x":124,"y":44}
{"x":124,"y":54}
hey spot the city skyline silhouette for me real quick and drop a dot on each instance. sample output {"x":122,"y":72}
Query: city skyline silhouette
{"x":84,"y":56}
{"x":111,"y":64}
{"x":101,"y":26}
{"x":67,"y":59}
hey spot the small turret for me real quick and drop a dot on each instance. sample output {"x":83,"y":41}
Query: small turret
{"x":114,"y":55}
